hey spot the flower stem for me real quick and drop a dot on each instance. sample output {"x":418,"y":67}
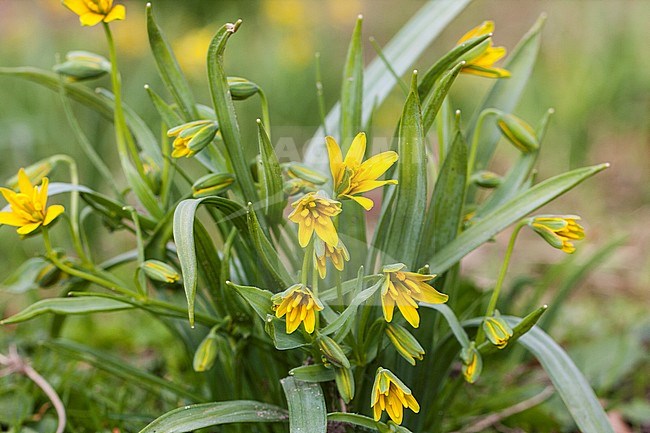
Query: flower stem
{"x":477,"y":133}
{"x":306,"y":262}
{"x":480,"y":336}
{"x":74,"y":211}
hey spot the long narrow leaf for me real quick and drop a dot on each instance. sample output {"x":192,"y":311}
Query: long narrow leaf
{"x":307,"y":411}
{"x":67,"y":306}
{"x":271,"y":191}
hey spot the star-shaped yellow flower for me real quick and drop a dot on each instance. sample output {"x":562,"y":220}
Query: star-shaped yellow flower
{"x":29,"y":206}
{"x":92,"y":12}
{"x":314,"y":212}
{"x":483,"y":63}
{"x":403,"y":289}
{"x":299,"y":305}
{"x":391,"y":395}
{"x":351,"y":176}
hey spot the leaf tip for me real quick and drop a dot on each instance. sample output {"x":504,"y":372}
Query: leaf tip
{"x":146,"y":87}
{"x":259,"y":121}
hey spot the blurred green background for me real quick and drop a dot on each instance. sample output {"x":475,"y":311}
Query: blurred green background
{"x":592,"y":69}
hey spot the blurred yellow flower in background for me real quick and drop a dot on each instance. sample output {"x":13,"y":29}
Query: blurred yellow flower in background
{"x":29,"y":206}
{"x":92,"y":12}
{"x":483,"y":63}
{"x":391,"y":395}
{"x":299,"y":305}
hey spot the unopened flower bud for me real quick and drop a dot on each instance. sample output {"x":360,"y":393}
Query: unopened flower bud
{"x":332,"y":352}
{"x":298,"y":186}
{"x":48,"y":276}
{"x":160,"y":271}
{"x":518,"y":132}
{"x":83,"y":65}
{"x":34,"y":172}
{"x":212,"y":184}
{"x":301,"y":171}
{"x":192,"y":137}
{"x":241,"y":88}
{"x":405,"y":343}
{"x":472,"y":363}
{"x":486,"y":179}
{"x":345,"y":383}
{"x":206,"y":353}
{"x":558,"y":230}
{"x":497,"y":330}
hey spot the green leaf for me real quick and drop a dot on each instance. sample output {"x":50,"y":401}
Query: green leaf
{"x":505,"y":93}
{"x":411,"y":192}
{"x":307,"y":410}
{"x":165,"y":111}
{"x":313,"y":373}
{"x":266,"y":251}
{"x":452,"y":320}
{"x":16,"y":407}
{"x":510,"y":212}
{"x":433,"y":102}
{"x":169,"y":70}
{"x":25,"y":276}
{"x":86,"y":305}
{"x":352,"y":89}
{"x":346,"y":318}
{"x":143,"y":191}
{"x":225,"y":111}
{"x":276,"y":329}
{"x":365,"y":422}
{"x":190,"y":418}
{"x":117,"y":367}
{"x":445,"y":212}
{"x":401,"y":53}
{"x":271,"y":182}
{"x":184,"y":216}
{"x":258,"y":299}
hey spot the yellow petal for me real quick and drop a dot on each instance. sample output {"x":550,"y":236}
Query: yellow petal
{"x":90,"y":19}
{"x":336,"y":159}
{"x":310,"y":321}
{"x":410,"y":313}
{"x":53,"y":212}
{"x":486,"y":72}
{"x":369,"y":185}
{"x":357,"y":150}
{"x":430,"y":295}
{"x":77,"y":6}
{"x":376,"y":412}
{"x":12,"y":219}
{"x":326,"y":231}
{"x":363,"y":201}
{"x":388,"y":306}
{"x":24,"y":184}
{"x":377,"y":165}
{"x":28,"y":228}
{"x":490,"y":57}
{"x":482,"y":29}
{"x":42,"y":193}
{"x":117,"y":13}
{"x":413,"y":404}
{"x":304,"y":234}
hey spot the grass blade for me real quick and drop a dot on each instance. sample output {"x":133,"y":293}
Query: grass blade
{"x":307,"y":411}
{"x":67,"y":306}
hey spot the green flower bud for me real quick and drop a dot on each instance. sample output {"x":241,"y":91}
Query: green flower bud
{"x":405,"y":343}
{"x":83,"y":65}
{"x":241,"y":88}
{"x":34,"y":172}
{"x":212,"y":184}
{"x":518,"y":132}
{"x":345,"y":383}
{"x":486,"y":179}
{"x":560,"y":231}
{"x":298,"y":186}
{"x":332,"y":352}
{"x":301,"y":171}
{"x":192,"y":137}
{"x":206,"y":353}
{"x":160,"y":271}
{"x":49,"y":275}
{"x":497,"y":330}
{"x":472,"y":363}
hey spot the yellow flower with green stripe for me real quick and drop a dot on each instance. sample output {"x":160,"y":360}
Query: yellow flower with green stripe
{"x":353,"y":176}
{"x":28,"y":206}
{"x":559,"y":230}
{"x":299,"y":305}
{"x":338,"y":255}
{"x":92,"y":12}
{"x":483,"y":63}
{"x":404,"y":290}
{"x":313,"y":213}
{"x":391,"y":395}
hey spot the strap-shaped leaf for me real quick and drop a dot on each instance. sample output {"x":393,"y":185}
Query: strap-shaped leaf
{"x":266,"y":251}
{"x":352,"y":89}
{"x":507,"y":214}
{"x":258,"y":299}
{"x":307,"y":410}
{"x":401,"y":53}
{"x":452,"y":320}
{"x":344,"y":321}
{"x":184,"y":238}
{"x":225,"y":111}
{"x":403,"y":238}
{"x":271,"y":191}
{"x":169,"y":70}
{"x":505,"y":93}
{"x":67,"y":306}
{"x":190,"y":418}
{"x":313,"y":373}
{"x":446,"y":207}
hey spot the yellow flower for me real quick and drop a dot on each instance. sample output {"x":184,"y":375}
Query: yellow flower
{"x":391,"y":395}
{"x":29,"y":206}
{"x":483,"y":63}
{"x":338,"y":255}
{"x":351,"y":176}
{"x":403,"y":289}
{"x":314,"y":212}
{"x":192,"y":137}
{"x":472,"y":363}
{"x":497,"y":330}
{"x":559,"y":230}
{"x":92,"y":12}
{"x":299,"y":304}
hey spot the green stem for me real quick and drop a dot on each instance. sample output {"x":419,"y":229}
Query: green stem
{"x":480,"y":336}
{"x":74,"y":211}
{"x":319,"y":94}
{"x":124,"y":146}
{"x":307,"y":262}
{"x":140,"y":280}
{"x":477,"y":133}
{"x":266,"y":118}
